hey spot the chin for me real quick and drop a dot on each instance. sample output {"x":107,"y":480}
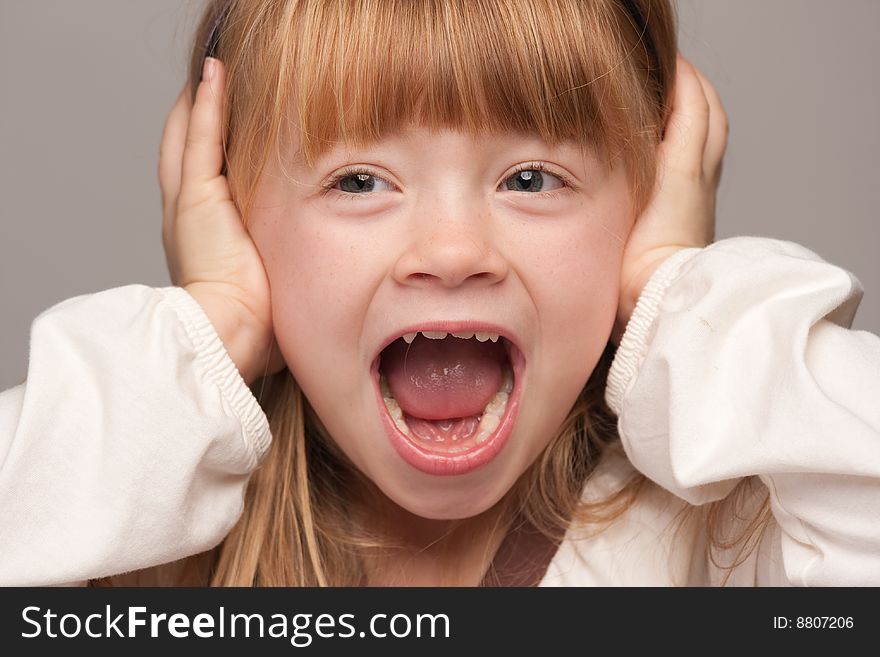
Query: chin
{"x":454,"y":500}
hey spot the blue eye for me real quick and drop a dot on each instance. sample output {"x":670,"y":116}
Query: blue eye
{"x":359,"y":182}
{"x":528,"y":178}
{"x":532,"y":180}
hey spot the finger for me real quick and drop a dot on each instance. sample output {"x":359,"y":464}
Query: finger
{"x":719,"y":128}
{"x":203,"y":152}
{"x":171,"y":148}
{"x":688,"y":127}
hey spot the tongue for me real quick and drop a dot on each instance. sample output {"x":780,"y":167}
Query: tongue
{"x":443,"y":379}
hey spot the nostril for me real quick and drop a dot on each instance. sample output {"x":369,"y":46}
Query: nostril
{"x":454,"y":281}
{"x":449,"y":259}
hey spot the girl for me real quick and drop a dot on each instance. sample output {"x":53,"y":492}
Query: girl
{"x":458,"y":250}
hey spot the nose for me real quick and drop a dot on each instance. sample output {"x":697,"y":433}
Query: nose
{"x":450,"y":251}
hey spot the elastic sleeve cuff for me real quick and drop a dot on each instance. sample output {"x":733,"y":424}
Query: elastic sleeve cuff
{"x":634,"y":343}
{"x":222,"y":371}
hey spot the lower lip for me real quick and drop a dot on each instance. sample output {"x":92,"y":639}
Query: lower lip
{"x":445,"y":465}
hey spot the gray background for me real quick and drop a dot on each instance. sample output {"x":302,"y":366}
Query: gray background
{"x":85,"y":87}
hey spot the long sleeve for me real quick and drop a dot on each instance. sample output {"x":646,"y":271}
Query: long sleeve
{"x":129,"y":445}
{"x":739,"y":361}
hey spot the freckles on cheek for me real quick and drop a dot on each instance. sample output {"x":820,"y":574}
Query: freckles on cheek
{"x":574,"y":281}
{"x":306,"y":272}
{"x":589,"y":260}
{"x":318,"y":278}
{"x":594,"y":286}
{"x":305,"y":305}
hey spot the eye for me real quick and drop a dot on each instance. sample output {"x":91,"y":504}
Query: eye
{"x":357,"y":182}
{"x":532,"y":178}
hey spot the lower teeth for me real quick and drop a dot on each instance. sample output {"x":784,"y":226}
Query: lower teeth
{"x":489,"y":420}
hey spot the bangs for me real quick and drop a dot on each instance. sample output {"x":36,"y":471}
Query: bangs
{"x":317,"y":73}
{"x":357,"y":71}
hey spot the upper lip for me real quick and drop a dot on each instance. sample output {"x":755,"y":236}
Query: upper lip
{"x":450,"y":326}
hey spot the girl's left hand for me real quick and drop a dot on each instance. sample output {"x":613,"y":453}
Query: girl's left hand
{"x":681,"y":213}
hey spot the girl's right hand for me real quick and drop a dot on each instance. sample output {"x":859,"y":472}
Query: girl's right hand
{"x":208,"y":249}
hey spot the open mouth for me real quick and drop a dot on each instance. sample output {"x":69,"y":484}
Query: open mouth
{"x":448,"y":400}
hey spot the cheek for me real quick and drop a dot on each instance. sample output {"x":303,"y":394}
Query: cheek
{"x":573,"y":274}
{"x":589,"y":265}
{"x":317,"y":288}
{"x":582,"y":282}
{"x":576,"y":290}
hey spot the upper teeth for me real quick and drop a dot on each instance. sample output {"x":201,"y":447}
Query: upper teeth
{"x":440,"y":335}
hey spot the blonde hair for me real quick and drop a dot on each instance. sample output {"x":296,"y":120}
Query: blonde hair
{"x":599,"y":72}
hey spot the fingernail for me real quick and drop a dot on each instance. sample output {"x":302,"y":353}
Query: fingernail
{"x":209,"y":68}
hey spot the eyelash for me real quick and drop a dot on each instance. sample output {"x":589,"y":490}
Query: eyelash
{"x":327,"y":187}
{"x":568,"y":185}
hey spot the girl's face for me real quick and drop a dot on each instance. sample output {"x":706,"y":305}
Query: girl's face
{"x":443,"y":232}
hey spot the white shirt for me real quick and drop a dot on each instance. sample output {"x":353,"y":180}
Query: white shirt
{"x":131,"y":443}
